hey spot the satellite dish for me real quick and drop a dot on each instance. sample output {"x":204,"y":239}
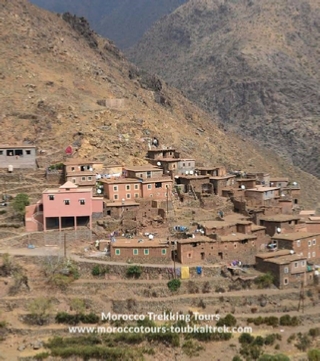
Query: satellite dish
{"x":295,"y":183}
{"x":91,"y":169}
{"x":243,"y":186}
{"x":278,"y":230}
{"x":99,"y":191}
{"x":68,"y":150}
{"x":191,"y":172}
{"x":283,"y":195}
{"x":159,"y":163}
{"x":150,"y":237}
{"x":187,"y":172}
{"x":291,"y":251}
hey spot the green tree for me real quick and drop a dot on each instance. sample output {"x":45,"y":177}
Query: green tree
{"x":264,"y":281}
{"x":19,"y":204}
{"x":278,"y":357}
{"x":40,"y":309}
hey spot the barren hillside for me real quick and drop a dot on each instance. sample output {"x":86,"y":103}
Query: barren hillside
{"x":54,"y":71}
{"x":252,"y":63}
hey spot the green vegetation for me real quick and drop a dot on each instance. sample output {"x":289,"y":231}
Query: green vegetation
{"x":314,"y":332}
{"x":209,"y":336}
{"x":39,"y":311}
{"x":264,"y":281}
{"x":229,"y":321}
{"x":314,"y":355}
{"x":41,"y":356}
{"x":78,"y":305}
{"x":58,"y":166}
{"x":278,"y":357}
{"x":191,"y":348}
{"x":174,"y":284}
{"x":270,"y":321}
{"x":287,"y":320}
{"x":134,"y":271}
{"x":99,"y":270}
{"x":74,"y":319}
{"x":19,"y":204}
{"x":303,"y":342}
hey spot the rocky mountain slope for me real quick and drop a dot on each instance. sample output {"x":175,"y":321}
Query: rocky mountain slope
{"x":252,"y":63}
{"x":64,"y":85}
{"x":122,"y":21}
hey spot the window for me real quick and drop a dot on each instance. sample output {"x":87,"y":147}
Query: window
{"x":141,"y":175}
{"x":136,"y":186}
{"x":73,"y":180}
{"x":189,"y":164}
{"x":313,"y":254}
{"x":115,"y":188}
{"x":67,"y":202}
{"x":28,"y":152}
{"x":189,"y":255}
{"x":298,"y":243}
{"x":235,"y":245}
{"x":151,"y":195}
{"x":128,"y":195}
{"x":309,"y":243}
{"x":136,"y":195}
{"x":128,"y":187}
{"x":1,"y":152}
{"x":149,"y":186}
{"x":115,"y":197}
{"x":82,"y":202}
{"x":285,"y":281}
{"x":164,"y":252}
{"x":309,"y":255}
{"x":51,"y":197}
{"x":148,"y":174}
{"x":72,"y":168}
{"x":314,"y":242}
{"x":117,"y":252}
{"x":183,"y":164}
{"x":286,"y":270}
{"x":89,"y":178}
{"x":295,"y":264}
{"x":135,"y":252}
{"x":158,"y":185}
{"x":83,"y":178}
{"x":303,"y":263}
{"x":146,"y":252}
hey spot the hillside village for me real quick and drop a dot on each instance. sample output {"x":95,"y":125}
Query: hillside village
{"x":252,"y":219}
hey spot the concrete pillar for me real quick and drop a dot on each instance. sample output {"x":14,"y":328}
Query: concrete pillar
{"x":75,"y":223}
{"x":90,"y":221}
{"x":60,"y":221}
{"x":44,"y":224}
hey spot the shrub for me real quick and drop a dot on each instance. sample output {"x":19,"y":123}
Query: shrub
{"x":291,"y":338}
{"x":287,"y":320}
{"x":246,"y":338}
{"x":41,"y":356}
{"x":19,"y":204}
{"x":134,"y":271}
{"x":192,"y":287}
{"x":69,"y":319}
{"x":99,"y":270}
{"x":303,"y":343}
{"x":271,"y":321}
{"x":314,"y":332}
{"x":206,"y":287}
{"x":174,"y":284}
{"x":229,"y":321}
{"x":259,"y":341}
{"x":264,"y":281}
{"x":270,"y":339}
{"x":314,"y":355}
{"x":191,"y":348}
{"x":237,"y":358}
{"x":39,"y":310}
{"x":77,"y":305}
{"x":278,"y":357}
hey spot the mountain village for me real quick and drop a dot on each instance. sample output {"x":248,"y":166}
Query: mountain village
{"x":255,"y":219}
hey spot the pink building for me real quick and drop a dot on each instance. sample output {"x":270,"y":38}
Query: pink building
{"x":119,"y":189}
{"x":156,"y":188}
{"x":63,"y":207}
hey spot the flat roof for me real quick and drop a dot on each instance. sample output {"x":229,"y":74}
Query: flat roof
{"x":271,"y":254}
{"x":285,"y":259}
{"x":139,"y":243}
{"x":142,"y":168}
{"x":160,"y":150}
{"x":314,"y":219}
{"x":307,"y":213}
{"x":210,"y":168}
{"x":119,"y":181}
{"x":237,"y":237}
{"x":216,"y":224}
{"x":262,"y":189}
{"x":201,"y":239}
{"x":80,"y":161}
{"x":71,"y":173}
{"x":280,"y":218}
{"x":6,"y":146}
{"x":223,"y":177}
{"x":120,"y":204}
{"x":155,"y":180}
{"x":73,"y":190}
{"x":193,"y":176}
{"x":254,"y":228}
{"x":295,"y":236}
{"x":279,"y":179}
{"x":246,"y":179}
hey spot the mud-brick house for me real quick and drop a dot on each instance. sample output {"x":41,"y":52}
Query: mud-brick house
{"x":261,"y":178}
{"x":200,"y":184}
{"x":219,"y":183}
{"x":313,"y":224}
{"x":239,"y":246}
{"x":219,"y":171}
{"x":141,"y":250}
{"x":265,"y":196}
{"x":64,"y":207}
{"x":143,"y":172}
{"x":288,"y":269}
{"x":165,"y":153}
{"x":245,"y":183}
{"x":197,"y":250}
{"x":223,"y":228}
{"x":122,"y":189}
{"x":82,"y":172}
{"x":277,"y":223}
{"x":156,"y":188}
{"x":280,"y":182}
{"x":305,"y":244}
{"x":117,"y":209}
{"x":18,"y":157}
